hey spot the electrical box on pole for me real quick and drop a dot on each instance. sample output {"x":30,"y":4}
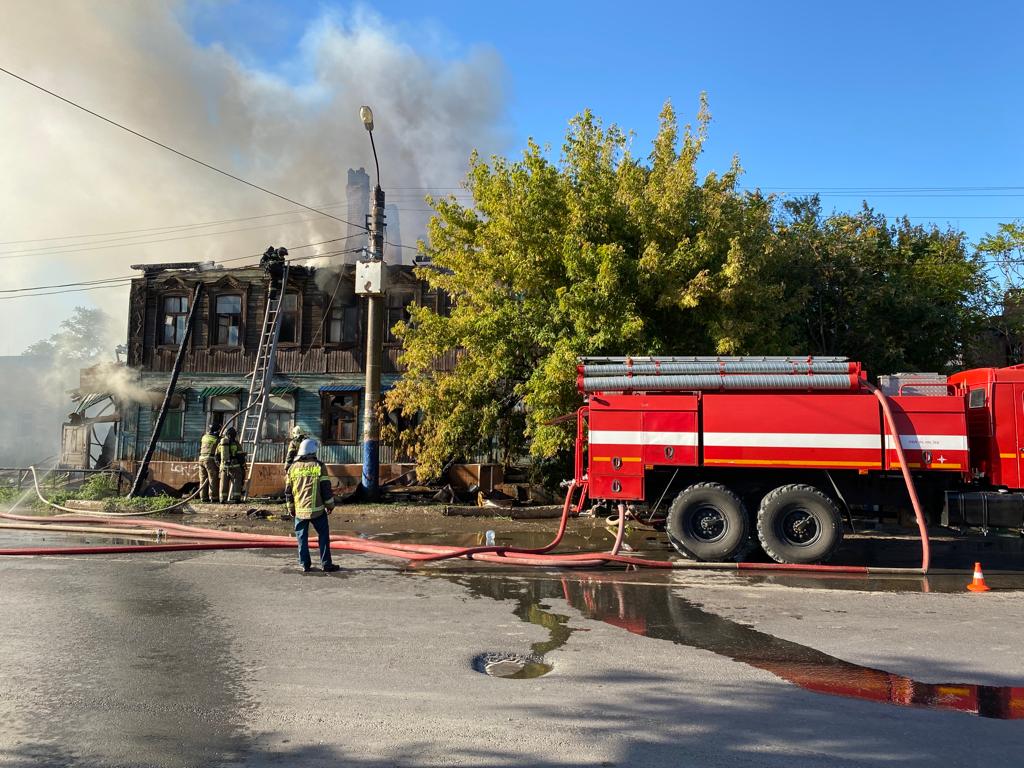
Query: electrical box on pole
{"x":371,"y":277}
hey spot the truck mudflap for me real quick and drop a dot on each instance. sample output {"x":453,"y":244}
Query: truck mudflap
{"x":983,"y":509}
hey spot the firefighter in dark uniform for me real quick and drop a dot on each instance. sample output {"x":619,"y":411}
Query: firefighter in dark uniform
{"x":232,"y":468}
{"x":293,"y":446}
{"x":308,"y":496}
{"x":209,"y":476}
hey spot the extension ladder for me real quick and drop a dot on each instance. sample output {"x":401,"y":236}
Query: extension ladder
{"x":263,"y":373}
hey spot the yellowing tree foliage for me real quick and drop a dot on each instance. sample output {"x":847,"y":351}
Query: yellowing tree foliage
{"x":602,"y":253}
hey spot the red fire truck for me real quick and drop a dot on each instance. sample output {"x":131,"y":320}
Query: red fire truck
{"x":720,"y":448}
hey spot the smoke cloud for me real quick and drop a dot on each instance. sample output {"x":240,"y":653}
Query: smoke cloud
{"x":66,"y":173}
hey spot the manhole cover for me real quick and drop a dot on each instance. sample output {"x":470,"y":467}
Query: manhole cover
{"x":514,"y":666}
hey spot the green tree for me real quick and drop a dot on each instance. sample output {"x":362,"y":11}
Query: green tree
{"x":601,"y":253}
{"x":1004,"y":250}
{"x":80,"y":337}
{"x":894,"y":296}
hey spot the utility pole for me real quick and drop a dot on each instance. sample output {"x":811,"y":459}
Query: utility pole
{"x":371,"y":282}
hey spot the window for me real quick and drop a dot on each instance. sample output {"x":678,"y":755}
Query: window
{"x":277,"y":424}
{"x":398,"y":310}
{"x":343,"y":325}
{"x":220,"y":408}
{"x":175,"y":315}
{"x":289,"y":333}
{"x":341,"y":417}
{"x":174,"y":418}
{"x":977,"y":398}
{"x":228,"y":324}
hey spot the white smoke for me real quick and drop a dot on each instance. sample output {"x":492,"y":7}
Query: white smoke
{"x":68,"y":173}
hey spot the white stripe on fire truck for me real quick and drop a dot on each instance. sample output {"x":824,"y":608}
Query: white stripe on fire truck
{"x":825,"y":440}
{"x":625,"y":437}
{"x":779,"y":440}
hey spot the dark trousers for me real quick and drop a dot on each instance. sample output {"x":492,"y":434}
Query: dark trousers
{"x":323,"y":535}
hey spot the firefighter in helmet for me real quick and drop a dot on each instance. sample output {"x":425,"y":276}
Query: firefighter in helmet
{"x":308,"y":496}
{"x":209,"y":476}
{"x":232,"y":467}
{"x":293,"y":445}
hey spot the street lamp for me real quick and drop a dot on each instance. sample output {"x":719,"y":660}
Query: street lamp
{"x":370,"y":281}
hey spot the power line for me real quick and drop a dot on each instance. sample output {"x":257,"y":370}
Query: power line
{"x":218,"y":261}
{"x":67,"y":290}
{"x":179,"y":152}
{"x":194,"y":225}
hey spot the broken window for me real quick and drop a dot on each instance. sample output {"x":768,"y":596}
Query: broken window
{"x":398,"y":311}
{"x":229,"y":320}
{"x":341,"y":417}
{"x":175,"y":315}
{"x":277,"y":424}
{"x":289,"y":333}
{"x":343,"y":324}
{"x":174,"y":418}
{"x":219,"y":409}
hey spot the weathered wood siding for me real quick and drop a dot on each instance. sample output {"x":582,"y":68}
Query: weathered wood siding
{"x":310,"y":354}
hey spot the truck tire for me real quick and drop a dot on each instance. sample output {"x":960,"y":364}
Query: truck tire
{"x":799,"y":524}
{"x":707,"y":521}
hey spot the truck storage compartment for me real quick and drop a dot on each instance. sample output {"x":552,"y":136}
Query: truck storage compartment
{"x":983,"y":509}
{"x":933,"y":433}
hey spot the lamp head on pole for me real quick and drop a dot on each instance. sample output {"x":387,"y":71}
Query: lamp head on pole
{"x":366,"y":115}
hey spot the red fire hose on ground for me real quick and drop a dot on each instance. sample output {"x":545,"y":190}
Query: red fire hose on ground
{"x":210,"y":539}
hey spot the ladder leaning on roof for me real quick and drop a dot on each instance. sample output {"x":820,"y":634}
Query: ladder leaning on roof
{"x":263,"y":373}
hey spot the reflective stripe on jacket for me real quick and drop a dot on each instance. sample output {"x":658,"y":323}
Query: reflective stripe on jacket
{"x":208,"y":446}
{"x":228,"y":450}
{"x":307,"y":488}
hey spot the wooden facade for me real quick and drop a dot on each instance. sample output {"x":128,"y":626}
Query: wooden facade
{"x":319,"y":364}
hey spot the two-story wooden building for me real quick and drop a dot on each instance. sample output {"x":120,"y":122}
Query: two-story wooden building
{"x":319,"y":377}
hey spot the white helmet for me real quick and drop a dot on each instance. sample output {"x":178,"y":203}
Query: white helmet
{"x":308,"y":447}
{"x":296,"y":431}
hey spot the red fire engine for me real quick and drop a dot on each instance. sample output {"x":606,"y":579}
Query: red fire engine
{"x":785,"y":447}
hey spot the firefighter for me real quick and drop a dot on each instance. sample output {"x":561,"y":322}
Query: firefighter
{"x":232,"y":468}
{"x":293,"y":446}
{"x":209,"y":476}
{"x":308,"y":496}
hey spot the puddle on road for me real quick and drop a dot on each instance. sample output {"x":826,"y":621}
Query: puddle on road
{"x":657,"y":612}
{"x":511,"y":666}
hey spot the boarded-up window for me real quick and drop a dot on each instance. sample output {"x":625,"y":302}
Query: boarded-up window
{"x":229,"y":320}
{"x":341,"y":417}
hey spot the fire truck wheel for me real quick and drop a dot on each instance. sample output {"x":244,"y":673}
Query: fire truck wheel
{"x":707,"y":521}
{"x":799,"y":524}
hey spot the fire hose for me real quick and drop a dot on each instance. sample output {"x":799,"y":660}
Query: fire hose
{"x":413,"y":554}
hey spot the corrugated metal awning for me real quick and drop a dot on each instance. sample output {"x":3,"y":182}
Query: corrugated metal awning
{"x":285,"y":389}
{"x":214,"y":391}
{"x":89,"y":399}
{"x":342,"y":388}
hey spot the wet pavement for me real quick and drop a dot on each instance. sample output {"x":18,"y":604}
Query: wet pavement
{"x":234,"y":658}
{"x":661,"y":614}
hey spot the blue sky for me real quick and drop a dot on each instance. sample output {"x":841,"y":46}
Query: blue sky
{"x":811,"y":95}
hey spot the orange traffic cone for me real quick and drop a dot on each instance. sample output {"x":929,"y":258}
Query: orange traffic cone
{"x":978,"y":585}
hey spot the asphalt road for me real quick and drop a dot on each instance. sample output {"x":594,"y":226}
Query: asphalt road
{"x":235,"y":658}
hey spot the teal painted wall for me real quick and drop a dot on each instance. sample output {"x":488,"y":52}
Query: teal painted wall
{"x":137,"y":420}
